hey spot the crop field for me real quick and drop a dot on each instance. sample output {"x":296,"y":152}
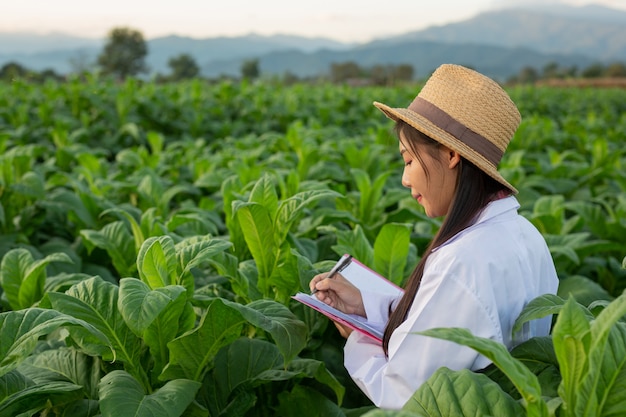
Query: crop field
{"x":152,"y":235}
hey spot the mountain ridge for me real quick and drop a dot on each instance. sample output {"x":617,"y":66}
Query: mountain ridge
{"x":566,"y":35}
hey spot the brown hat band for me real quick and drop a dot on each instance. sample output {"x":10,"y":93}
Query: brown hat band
{"x":444,"y":121}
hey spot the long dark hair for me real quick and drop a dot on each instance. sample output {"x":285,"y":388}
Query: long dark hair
{"x":474,"y":189}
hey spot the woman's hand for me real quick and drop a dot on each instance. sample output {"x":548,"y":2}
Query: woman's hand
{"x":339,"y":293}
{"x":344,"y":331}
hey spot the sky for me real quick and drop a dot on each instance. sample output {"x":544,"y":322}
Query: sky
{"x":343,"y":20}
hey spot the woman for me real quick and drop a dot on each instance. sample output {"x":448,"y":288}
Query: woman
{"x":484,"y":264}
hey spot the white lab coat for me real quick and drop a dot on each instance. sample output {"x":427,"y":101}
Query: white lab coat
{"x":479,"y":280}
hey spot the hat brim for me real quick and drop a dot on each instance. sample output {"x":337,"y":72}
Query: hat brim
{"x":429,"y":129}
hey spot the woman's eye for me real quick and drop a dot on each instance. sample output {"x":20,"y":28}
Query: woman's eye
{"x":407,"y":163}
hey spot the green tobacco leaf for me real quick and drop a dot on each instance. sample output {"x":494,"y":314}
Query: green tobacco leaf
{"x":140,"y":306}
{"x":192,"y":354}
{"x":95,"y":301}
{"x":379,"y":412}
{"x":462,"y":393}
{"x":537,"y":308}
{"x":391,"y":250}
{"x":156,"y":262}
{"x":264,"y":193}
{"x":306,"y":402}
{"x":524,"y":380}
{"x":64,"y":364}
{"x":258,"y":230}
{"x":38,"y":397}
{"x":292,"y":208}
{"x":137,"y":233}
{"x":23,"y":278}
{"x":603,"y":389}
{"x":570,"y":335}
{"x":239,"y":363}
{"x":119,"y":244}
{"x":289,"y":333}
{"x":196,"y":251}
{"x":20,"y":331}
{"x":156,"y":316}
{"x":356,"y":244}
{"x":312,"y":368}
{"x":583,"y":289}
{"x":123,"y":395}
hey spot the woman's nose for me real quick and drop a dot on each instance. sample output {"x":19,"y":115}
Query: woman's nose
{"x":405,"y":180}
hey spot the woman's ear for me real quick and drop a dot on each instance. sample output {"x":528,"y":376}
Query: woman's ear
{"x":453,"y":158}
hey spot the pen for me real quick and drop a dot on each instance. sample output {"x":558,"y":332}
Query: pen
{"x":339,"y":266}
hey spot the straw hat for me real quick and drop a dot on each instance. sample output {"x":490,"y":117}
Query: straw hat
{"x":465,"y":111}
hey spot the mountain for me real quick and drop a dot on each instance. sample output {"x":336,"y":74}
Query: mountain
{"x":594,"y":31}
{"x":62,"y":53}
{"x":499,"y":43}
{"x":32,"y":43}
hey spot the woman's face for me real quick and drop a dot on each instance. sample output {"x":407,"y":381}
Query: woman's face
{"x":435,"y":190}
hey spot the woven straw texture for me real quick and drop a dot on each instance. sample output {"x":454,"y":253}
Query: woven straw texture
{"x":474,"y":100}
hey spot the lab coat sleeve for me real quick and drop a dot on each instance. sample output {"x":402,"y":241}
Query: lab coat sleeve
{"x":390,"y":382}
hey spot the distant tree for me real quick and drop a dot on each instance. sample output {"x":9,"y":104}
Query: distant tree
{"x":403,"y":73}
{"x":343,"y":71}
{"x":49,"y":74}
{"x":551,"y":70}
{"x":616,"y":69}
{"x":527,"y":75}
{"x":183,"y":67}
{"x":290,"y":78}
{"x":593,"y":71}
{"x":124,"y":53}
{"x":12,"y":70}
{"x":379,"y":74}
{"x":250,"y":69}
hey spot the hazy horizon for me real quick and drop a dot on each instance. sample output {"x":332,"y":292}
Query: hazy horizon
{"x":348,"y":21}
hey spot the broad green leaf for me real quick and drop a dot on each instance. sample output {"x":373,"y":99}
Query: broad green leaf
{"x":20,"y":331}
{"x":196,"y":251}
{"x":168,"y":195}
{"x":571,"y":338}
{"x":537,"y":354}
{"x":156,"y":316}
{"x":286,"y":278}
{"x":537,"y":308}
{"x":134,"y":226}
{"x":64,"y":364}
{"x":23,"y":278}
{"x":583,"y":289}
{"x":13,"y":382}
{"x":380,"y":412}
{"x":156,"y":262}
{"x":356,"y":244}
{"x":292,"y":208}
{"x":192,"y":354}
{"x":391,"y":250}
{"x":241,"y":362}
{"x":37,"y":397}
{"x":264,"y":193}
{"x":123,"y":395}
{"x":258,"y":230}
{"x":462,"y":393}
{"x":289,"y":333}
{"x":603,"y":388}
{"x":119,"y":244}
{"x":140,"y":305}
{"x":96,"y":301}
{"x":306,"y":402}
{"x":524,"y":380}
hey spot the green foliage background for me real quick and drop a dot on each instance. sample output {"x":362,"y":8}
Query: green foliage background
{"x":151,"y":236}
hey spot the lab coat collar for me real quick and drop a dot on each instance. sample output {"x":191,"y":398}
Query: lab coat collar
{"x":492,"y":210}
